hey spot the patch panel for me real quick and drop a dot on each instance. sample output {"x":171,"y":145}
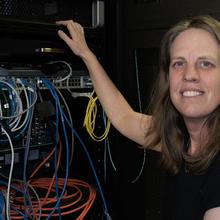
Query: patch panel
{"x":74,"y":82}
{"x":79,"y":79}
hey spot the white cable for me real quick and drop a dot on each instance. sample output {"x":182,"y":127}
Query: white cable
{"x":68,"y":75}
{"x":28,"y":107}
{"x":10,"y":175}
{"x":1,"y":108}
{"x":140,"y":106}
{"x":24,"y":111}
{"x":16,"y":120}
{"x":107,"y":149}
{"x":19,"y":104}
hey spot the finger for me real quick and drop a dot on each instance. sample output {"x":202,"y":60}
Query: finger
{"x":63,"y":35}
{"x":79,"y":26}
{"x":69,"y":24}
{"x":65,"y":22}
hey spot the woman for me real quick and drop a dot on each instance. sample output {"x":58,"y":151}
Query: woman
{"x":185,"y":120}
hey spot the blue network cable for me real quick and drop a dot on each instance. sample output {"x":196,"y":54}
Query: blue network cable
{"x":93,"y":168}
{"x":60,"y":114}
{"x":26,"y":153}
{"x":64,"y":119}
{"x":2,"y":214}
{"x":2,"y":206}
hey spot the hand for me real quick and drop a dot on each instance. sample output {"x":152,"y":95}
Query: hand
{"x":76,"y":39}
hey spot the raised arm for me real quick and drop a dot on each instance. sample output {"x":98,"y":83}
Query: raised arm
{"x":128,"y":122}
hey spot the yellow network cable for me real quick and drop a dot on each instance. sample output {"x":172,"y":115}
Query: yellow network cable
{"x":90,"y":119}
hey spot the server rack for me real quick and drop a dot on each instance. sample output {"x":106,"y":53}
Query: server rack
{"x":29,"y":44}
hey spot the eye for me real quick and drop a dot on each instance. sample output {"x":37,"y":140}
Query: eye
{"x":206,"y":64}
{"x":178,"y":64}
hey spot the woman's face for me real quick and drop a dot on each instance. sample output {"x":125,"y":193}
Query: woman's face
{"x":194,"y":74}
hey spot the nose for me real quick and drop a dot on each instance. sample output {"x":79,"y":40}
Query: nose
{"x":191,"y":74}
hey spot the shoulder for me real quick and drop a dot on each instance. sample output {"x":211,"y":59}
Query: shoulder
{"x":212,"y":214}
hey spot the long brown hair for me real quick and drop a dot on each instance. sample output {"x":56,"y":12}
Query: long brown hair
{"x":168,"y":125}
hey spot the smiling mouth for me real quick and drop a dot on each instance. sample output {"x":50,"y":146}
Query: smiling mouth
{"x":192,"y":93}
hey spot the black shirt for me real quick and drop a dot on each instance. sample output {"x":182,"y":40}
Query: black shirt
{"x":190,"y":196}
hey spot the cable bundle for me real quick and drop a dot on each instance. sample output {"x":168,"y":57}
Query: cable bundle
{"x":43,"y":197}
{"x":90,"y":120}
{"x":79,"y":197}
{"x":33,"y":198}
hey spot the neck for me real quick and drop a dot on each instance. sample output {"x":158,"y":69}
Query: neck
{"x":198,"y":135}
